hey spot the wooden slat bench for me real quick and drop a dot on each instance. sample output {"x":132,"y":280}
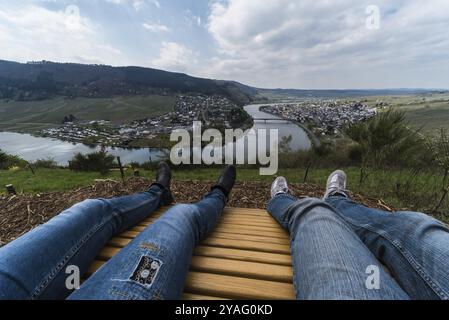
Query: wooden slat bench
{"x":246,"y":257}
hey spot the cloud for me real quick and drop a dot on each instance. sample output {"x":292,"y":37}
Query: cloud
{"x":175,"y":57}
{"x":138,"y":5}
{"x":155,"y":27}
{"x":192,"y":19}
{"x":321,"y":43}
{"x":35,"y":33}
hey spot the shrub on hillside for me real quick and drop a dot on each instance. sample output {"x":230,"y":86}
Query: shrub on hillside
{"x":385,"y":140}
{"x":7,"y":161}
{"x":98,"y":161}
{"x":48,"y":163}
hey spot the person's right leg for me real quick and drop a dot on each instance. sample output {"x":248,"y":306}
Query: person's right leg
{"x":329,"y":259}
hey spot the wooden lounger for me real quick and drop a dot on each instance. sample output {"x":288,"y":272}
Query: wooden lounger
{"x":246,"y":257}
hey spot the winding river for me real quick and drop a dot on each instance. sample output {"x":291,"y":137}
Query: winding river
{"x":33,"y":148}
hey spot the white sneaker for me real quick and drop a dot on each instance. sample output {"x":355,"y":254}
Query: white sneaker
{"x":336,"y":184}
{"x":279,"y":186}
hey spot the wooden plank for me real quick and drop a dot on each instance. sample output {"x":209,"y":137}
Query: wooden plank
{"x":238,"y":230}
{"x":235,"y":242}
{"x":273,"y":225}
{"x":119,"y":242}
{"x":231,"y":216}
{"x":244,"y":255}
{"x":94,"y":267}
{"x":225,"y":266}
{"x":238,"y":288}
{"x":247,"y":245}
{"x":254,"y":270}
{"x":107,"y":253}
{"x":243,"y":231}
{"x":207,"y":251}
{"x":258,"y":238}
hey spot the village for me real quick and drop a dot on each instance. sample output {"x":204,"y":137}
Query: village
{"x":323,"y":117}
{"x":212,"y":111}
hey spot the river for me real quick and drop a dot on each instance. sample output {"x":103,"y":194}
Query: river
{"x":33,"y":148}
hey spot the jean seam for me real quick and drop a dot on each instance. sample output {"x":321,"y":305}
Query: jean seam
{"x":71,"y":253}
{"x":408,"y":257}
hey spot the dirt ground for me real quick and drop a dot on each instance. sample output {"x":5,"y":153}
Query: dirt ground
{"x":20,"y":214}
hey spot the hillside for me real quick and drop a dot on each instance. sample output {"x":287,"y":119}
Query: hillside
{"x":46,"y":80}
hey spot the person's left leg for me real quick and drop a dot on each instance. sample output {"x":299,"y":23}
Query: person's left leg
{"x":329,"y":259}
{"x":414,"y":246}
{"x":34,"y":266}
{"x":155,"y":264}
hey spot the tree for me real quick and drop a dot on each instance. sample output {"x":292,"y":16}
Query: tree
{"x":385,"y":139}
{"x":439,"y":148}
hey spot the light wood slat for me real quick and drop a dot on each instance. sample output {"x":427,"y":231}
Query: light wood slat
{"x":232,"y":234}
{"x":221,"y":229}
{"x":250,"y":211}
{"x":119,"y":242}
{"x":237,"y":225}
{"x":236,"y":241}
{"x":244,"y":255}
{"x":259,"y":238}
{"x":237,"y":212}
{"x":107,"y":253}
{"x":269,"y":224}
{"x":225,"y":253}
{"x":237,"y":288}
{"x":129,"y":234}
{"x":94,"y":267}
{"x":231,"y":214}
{"x":243,"y":231}
{"x":238,"y":216}
{"x":191,"y":296}
{"x":254,"y":270}
{"x":248,"y":245}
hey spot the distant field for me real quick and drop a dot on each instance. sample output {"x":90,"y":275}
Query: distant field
{"x":429,"y":111}
{"x":35,"y":115}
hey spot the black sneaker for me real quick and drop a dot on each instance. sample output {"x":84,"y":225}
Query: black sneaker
{"x":163,"y":175}
{"x":227,"y":180}
{"x":163,"y":180}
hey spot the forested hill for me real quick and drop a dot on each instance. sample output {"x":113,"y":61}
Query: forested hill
{"x":43,"y":80}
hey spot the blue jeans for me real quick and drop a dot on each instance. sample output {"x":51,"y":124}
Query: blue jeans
{"x":153,"y":266}
{"x":338,"y":245}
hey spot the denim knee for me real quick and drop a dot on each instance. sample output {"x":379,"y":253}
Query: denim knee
{"x":307,"y":207}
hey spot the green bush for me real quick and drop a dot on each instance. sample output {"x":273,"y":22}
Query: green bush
{"x":48,"y":163}
{"x":98,"y":161}
{"x":7,"y":161}
{"x":385,"y":140}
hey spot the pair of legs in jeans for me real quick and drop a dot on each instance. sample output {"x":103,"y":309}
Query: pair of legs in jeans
{"x":334,"y":244}
{"x":338,"y":247}
{"x":153,"y":266}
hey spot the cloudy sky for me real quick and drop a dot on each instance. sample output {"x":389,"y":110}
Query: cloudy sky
{"x":320,"y":44}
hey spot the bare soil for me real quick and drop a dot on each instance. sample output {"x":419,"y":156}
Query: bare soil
{"x":22,"y":213}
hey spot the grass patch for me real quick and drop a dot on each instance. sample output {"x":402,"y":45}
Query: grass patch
{"x":399,"y":188}
{"x":35,"y":115}
{"x":429,"y":111}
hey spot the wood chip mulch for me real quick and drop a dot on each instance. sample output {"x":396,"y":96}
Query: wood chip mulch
{"x":22,"y":213}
